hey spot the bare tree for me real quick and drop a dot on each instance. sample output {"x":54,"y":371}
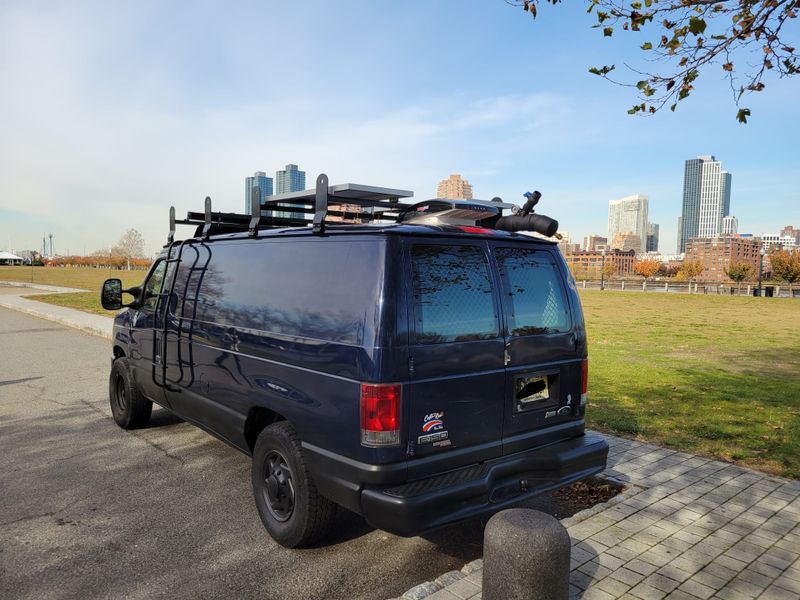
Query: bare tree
{"x":745,"y":39}
{"x":130,"y":245}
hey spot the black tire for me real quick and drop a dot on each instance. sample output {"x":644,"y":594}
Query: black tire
{"x":292,"y":510}
{"x":129,"y":408}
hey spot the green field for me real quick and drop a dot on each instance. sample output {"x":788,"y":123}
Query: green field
{"x":86,"y":278}
{"x":713,"y":375}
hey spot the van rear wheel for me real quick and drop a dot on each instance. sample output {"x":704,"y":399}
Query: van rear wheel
{"x":129,"y":407}
{"x":292,"y":510}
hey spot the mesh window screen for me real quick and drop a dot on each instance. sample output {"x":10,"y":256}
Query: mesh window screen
{"x":536,"y":290}
{"x":453,"y":299}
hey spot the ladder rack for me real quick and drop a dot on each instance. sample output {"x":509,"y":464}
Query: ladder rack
{"x":300,"y":209}
{"x":356,"y":203}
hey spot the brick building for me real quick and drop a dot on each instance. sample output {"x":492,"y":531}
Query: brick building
{"x":627,"y":240}
{"x":590,"y":242}
{"x":588,"y":264}
{"x":717,"y":254}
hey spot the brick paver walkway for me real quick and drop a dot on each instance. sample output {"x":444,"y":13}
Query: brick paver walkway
{"x":699,"y":529}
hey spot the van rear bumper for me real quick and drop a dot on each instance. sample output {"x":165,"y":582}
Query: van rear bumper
{"x":478,"y":489}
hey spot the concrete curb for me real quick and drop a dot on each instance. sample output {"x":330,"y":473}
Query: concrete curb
{"x":423,"y":590}
{"x":40,"y":286}
{"x":87,"y":322}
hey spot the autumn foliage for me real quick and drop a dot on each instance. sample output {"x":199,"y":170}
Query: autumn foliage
{"x":647,"y":268}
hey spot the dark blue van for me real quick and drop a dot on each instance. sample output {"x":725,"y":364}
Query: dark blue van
{"x":417,"y":372}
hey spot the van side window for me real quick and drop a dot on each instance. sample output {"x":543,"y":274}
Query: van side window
{"x":302,"y":288}
{"x":453,"y":298}
{"x":533,"y":282}
{"x":153,"y":286}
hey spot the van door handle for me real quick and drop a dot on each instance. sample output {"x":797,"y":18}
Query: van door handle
{"x":507,"y":355}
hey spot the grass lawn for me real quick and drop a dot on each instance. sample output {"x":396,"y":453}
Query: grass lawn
{"x":713,"y":375}
{"x":78,"y":277}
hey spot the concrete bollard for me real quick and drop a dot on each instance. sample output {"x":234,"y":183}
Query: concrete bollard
{"x":526,"y":556}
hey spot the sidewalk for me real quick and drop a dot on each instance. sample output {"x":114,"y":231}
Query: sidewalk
{"x":698,"y":529}
{"x":11,"y":293}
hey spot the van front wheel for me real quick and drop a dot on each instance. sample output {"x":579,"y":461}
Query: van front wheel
{"x":292,"y":510}
{"x":129,"y":407}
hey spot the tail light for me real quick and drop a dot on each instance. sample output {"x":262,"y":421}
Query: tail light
{"x":584,"y":380}
{"x":380,"y":414}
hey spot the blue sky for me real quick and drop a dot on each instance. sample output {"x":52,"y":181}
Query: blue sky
{"x":110,"y":112}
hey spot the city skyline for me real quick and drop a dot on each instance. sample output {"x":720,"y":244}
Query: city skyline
{"x":137,"y":127}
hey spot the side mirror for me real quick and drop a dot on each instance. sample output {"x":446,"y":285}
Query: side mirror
{"x":111,"y":295}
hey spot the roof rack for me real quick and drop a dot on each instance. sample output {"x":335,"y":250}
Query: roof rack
{"x":356,"y":203}
{"x":347,"y":202}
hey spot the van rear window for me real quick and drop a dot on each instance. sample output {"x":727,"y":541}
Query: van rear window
{"x":535,"y":286}
{"x":453,"y":299}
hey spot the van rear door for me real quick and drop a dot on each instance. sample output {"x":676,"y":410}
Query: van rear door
{"x":453,"y":402}
{"x":543,"y":365}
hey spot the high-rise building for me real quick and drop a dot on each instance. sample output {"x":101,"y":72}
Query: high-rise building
{"x":590,"y":242}
{"x":290,"y":180}
{"x":730,"y":225}
{"x":706,"y":199}
{"x":264,"y":184}
{"x":652,"y":238}
{"x":628,"y":215}
{"x":454,"y":188}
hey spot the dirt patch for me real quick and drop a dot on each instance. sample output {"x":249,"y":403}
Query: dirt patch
{"x":567,"y":501}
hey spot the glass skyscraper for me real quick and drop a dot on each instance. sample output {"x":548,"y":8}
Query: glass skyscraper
{"x":264,"y":184}
{"x":290,"y":180}
{"x":706,"y":199}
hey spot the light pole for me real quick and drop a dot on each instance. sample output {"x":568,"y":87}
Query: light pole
{"x":760,"y":268}
{"x":603,"y":269}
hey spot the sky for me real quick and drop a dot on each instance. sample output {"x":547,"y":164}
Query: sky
{"x":110,"y":112}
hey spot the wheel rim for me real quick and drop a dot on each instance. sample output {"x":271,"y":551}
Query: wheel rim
{"x":278,"y":486}
{"x":119,"y":394}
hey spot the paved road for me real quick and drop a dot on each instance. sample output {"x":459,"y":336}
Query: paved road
{"x":90,"y":510}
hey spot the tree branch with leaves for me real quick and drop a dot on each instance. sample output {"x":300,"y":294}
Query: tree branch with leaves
{"x":747,"y":40}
